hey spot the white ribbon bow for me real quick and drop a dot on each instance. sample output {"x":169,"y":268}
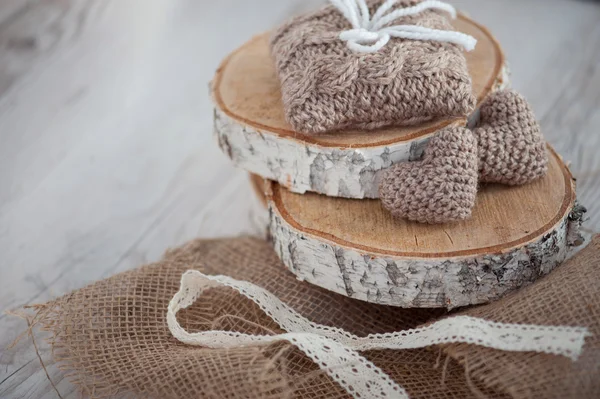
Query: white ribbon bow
{"x":369,"y":35}
{"x":336,"y":350}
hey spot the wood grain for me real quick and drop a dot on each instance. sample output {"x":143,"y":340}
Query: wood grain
{"x":106,"y":158}
{"x":246,"y":88}
{"x":504,"y":217}
{"x":251,"y":128}
{"x":355,"y":248}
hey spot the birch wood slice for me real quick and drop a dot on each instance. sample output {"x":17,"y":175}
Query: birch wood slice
{"x":354,"y":247}
{"x":251,"y":128}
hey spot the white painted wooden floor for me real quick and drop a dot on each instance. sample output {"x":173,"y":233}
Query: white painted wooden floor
{"x":106,"y":154}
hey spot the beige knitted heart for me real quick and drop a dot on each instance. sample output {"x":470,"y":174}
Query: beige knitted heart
{"x":509,"y":149}
{"x":510,"y":144}
{"x":442,"y":187}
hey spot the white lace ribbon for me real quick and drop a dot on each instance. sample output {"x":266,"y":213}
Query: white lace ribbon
{"x":336,"y":350}
{"x":370,"y":34}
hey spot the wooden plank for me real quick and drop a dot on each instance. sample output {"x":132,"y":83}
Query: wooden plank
{"x":106,"y":157}
{"x":101,"y":174}
{"x":34,"y":30}
{"x":11,"y":9}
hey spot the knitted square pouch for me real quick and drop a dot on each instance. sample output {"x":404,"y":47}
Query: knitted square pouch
{"x":327,"y":86}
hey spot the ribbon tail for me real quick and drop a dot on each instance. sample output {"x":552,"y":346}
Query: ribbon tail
{"x":357,"y":375}
{"x":414,"y":32}
{"x":336,"y":350}
{"x":383,"y":20}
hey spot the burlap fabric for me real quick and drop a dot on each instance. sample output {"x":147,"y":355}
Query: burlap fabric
{"x":326,"y":86}
{"x":112,"y":336}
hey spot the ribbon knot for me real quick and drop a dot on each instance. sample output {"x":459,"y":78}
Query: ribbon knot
{"x":370,"y":34}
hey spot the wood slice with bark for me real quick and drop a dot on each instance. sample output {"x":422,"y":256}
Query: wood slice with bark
{"x":250,"y":125}
{"x":355,"y":248}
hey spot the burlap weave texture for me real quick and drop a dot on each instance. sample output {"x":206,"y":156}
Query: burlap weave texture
{"x":112,"y":335}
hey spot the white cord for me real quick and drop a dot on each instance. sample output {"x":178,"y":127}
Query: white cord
{"x":369,"y":35}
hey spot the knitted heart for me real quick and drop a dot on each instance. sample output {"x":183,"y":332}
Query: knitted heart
{"x":510,"y":144}
{"x":442,"y":187}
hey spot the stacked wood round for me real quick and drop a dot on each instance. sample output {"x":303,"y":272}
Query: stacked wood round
{"x":353,"y":246}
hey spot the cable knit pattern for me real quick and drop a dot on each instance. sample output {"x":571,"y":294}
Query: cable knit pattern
{"x":326,"y":86}
{"x":511,"y":147}
{"x":442,"y":187}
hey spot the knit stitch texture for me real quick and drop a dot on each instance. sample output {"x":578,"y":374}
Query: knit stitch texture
{"x":507,"y":147}
{"x":326,"y":86}
{"x":439,"y":189}
{"x":511,"y":147}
